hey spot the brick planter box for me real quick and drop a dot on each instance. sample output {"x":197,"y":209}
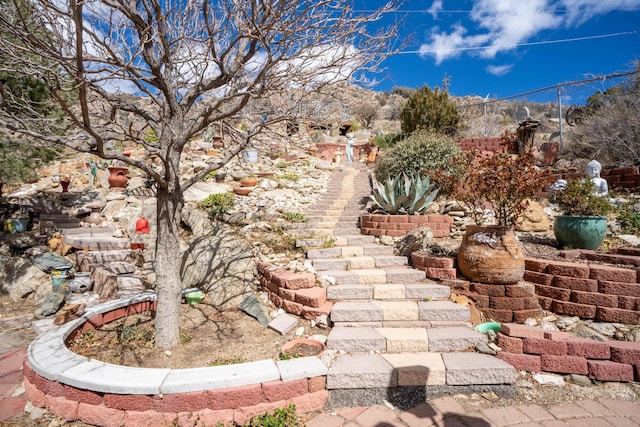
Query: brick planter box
{"x":400,"y":225}
{"x":76,"y":388}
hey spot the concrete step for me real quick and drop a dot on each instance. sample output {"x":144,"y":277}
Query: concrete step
{"x":335,"y":252}
{"x":419,"y":291}
{"x":378,"y":311}
{"x":395,"y":275}
{"x":382,"y":261}
{"x":403,"y":339}
{"x":377,"y":249}
{"x":347,"y":263}
{"x":375,"y":371}
{"x":321,"y":242}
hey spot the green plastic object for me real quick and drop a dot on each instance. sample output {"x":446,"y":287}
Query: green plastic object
{"x":488,"y":326}
{"x":194,"y":298}
{"x":580,"y":232}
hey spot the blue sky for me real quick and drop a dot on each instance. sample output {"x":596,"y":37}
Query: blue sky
{"x":505,"y":47}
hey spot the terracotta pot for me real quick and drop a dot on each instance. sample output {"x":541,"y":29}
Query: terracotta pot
{"x":242,"y":191}
{"x":135,"y":246}
{"x":248,"y":182}
{"x":491,"y":254}
{"x":302,"y":347}
{"x":118,"y":177}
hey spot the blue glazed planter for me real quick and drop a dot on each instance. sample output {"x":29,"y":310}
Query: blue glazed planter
{"x":580,"y":232}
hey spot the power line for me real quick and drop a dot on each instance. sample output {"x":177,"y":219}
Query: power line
{"x":460,"y":49}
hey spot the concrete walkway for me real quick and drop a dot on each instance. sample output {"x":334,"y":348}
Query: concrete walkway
{"x":448,"y":412}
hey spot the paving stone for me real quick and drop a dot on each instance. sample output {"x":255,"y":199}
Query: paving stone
{"x":474,"y":368}
{"x":356,"y":340}
{"x":378,"y":415}
{"x":355,"y":311}
{"x":405,"y":339}
{"x":283,"y":323}
{"x":377,"y":249}
{"x":398,"y":310}
{"x":324,"y":253}
{"x":360,"y":239}
{"x":324,"y":264}
{"x":370,"y":275}
{"x":361,"y":371}
{"x":351,"y":251}
{"x":505,"y":416}
{"x":349,"y":292}
{"x":390,"y":261}
{"x":443,"y":310}
{"x":417,"y":369}
{"x":361,"y":263}
{"x":343,"y":277}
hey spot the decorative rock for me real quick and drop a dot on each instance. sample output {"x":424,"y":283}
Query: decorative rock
{"x":416,"y":240}
{"x":534,"y":218}
{"x":549,"y":379}
{"x":580,"y":380}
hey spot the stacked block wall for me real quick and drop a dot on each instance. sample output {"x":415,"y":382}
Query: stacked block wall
{"x":621,"y":178}
{"x":502,"y":303}
{"x":207,"y":407}
{"x":296,"y":293}
{"x":531,"y":349}
{"x":400,"y":225}
{"x":590,"y":291}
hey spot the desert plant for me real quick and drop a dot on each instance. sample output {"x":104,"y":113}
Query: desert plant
{"x":289,"y":176}
{"x":217,"y":204}
{"x":407,"y":193}
{"x":421,"y":152}
{"x":579,"y":198}
{"x":284,"y":417}
{"x":429,"y":109}
{"x":386,"y":140}
{"x":294,"y":217}
{"x":504,"y":181}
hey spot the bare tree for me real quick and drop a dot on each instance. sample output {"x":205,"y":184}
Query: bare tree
{"x":365,"y":112}
{"x":176,"y":68}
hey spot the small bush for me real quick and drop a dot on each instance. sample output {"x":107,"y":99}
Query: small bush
{"x":283,"y":165}
{"x":579,"y":198}
{"x":430,"y":109}
{"x":289,"y":176}
{"x":629,"y":218}
{"x":294,"y":217}
{"x":421,"y":152}
{"x":284,"y":417}
{"x":218,"y":204}
{"x":387,"y":140}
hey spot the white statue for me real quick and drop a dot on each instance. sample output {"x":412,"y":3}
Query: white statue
{"x":593,"y":170}
{"x":349,"y":148}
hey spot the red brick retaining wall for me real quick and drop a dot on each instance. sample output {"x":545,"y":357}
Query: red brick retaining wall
{"x":487,"y":144}
{"x":207,"y":407}
{"x":621,"y":178}
{"x":590,"y":291}
{"x":531,"y":349}
{"x":296,"y":293}
{"x":400,"y":225}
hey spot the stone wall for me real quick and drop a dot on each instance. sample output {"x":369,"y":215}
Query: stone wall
{"x":400,"y":225}
{"x":590,"y":291}
{"x":602,"y":292}
{"x":233,"y":404}
{"x":296,"y":293}
{"x":531,"y":349}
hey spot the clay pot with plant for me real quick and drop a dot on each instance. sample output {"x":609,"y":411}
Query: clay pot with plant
{"x":506,"y":183}
{"x":583,"y":224}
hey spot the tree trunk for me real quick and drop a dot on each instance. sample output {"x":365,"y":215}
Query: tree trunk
{"x":167,"y":267}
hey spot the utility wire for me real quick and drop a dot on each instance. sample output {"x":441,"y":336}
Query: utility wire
{"x":460,"y":49}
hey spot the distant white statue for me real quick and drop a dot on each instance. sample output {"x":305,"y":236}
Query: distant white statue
{"x":349,"y":148}
{"x":593,"y":170}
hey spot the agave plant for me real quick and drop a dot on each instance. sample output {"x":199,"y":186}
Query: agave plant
{"x":404,"y":194}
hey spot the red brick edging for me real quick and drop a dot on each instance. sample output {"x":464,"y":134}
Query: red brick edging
{"x":400,"y":225}
{"x":205,"y":407}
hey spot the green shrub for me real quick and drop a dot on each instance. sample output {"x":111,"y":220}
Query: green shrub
{"x":217,"y":204}
{"x":387,"y":140}
{"x":294,"y":217}
{"x":283,"y":165}
{"x":422,"y":152}
{"x":579,"y":198}
{"x":427,"y":109}
{"x":629,"y":218}
{"x":289,"y":176}
{"x":284,"y":417}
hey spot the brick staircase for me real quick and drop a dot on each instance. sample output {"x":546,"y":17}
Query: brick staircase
{"x":397,"y":335}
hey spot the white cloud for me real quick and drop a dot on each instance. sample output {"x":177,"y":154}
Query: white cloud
{"x":500,"y":25}
{"x":499,"y":70}
{"x":435,"y":8}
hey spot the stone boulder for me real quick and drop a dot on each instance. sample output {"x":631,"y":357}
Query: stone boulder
{"x":534,"y":219}
{"x":418,"y":239}
{"x":221,"y":265}
{"x":22,"y":279}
